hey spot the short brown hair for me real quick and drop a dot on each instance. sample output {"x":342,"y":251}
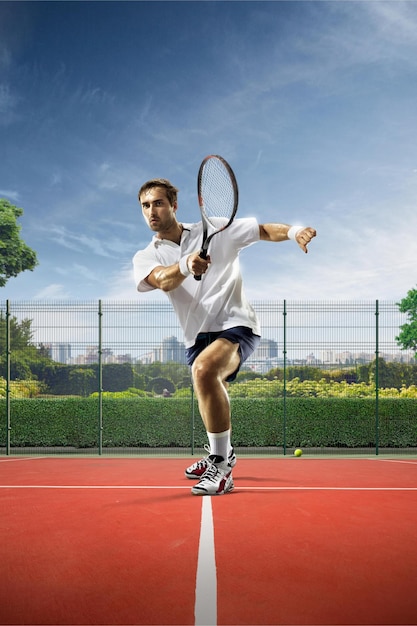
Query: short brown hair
{"x":170,"y":190}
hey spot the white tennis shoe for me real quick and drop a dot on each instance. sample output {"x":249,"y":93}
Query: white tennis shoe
{"x":216,"y":480}
{"x":197,"y":469}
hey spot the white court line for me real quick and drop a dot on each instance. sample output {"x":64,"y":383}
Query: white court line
{"x":241,"y":488}
{"x":205,"y":611}
{"x":26,"y":458}
{"x":92,"y":487}
{"x":412,"y":462}
{"x":327,"y":489}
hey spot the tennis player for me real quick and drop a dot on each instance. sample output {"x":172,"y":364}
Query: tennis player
{"x":220,"y":327}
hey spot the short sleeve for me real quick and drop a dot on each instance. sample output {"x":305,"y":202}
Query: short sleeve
{"x":144,"y":262}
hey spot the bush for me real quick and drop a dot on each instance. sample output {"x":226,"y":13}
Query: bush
{"x":21,"y":388}
{"x":159,"y":422}
{"x":320,"y":388}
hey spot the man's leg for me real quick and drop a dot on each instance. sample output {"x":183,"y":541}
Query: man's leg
{"x":210,"y":370}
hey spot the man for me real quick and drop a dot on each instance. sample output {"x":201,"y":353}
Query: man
{"x":220,"y":327}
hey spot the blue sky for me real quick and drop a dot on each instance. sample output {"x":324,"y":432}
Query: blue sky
{"x":313,"y":103}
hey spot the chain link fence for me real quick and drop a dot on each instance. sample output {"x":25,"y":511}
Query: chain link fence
{"x":106,"y":376}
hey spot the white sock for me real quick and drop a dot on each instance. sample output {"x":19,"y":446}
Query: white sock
{"x":220,"y":443}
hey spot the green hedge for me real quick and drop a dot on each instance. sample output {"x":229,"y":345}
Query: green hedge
{"x":159,"y":422}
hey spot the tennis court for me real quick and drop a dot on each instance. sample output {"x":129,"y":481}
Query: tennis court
{"x":122,"y":541}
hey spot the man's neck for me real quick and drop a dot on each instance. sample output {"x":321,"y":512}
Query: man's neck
{"x":172,"y":234}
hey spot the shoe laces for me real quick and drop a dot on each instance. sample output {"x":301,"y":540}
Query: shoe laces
{"x":212,"y":472}
{"x":202,"y":463}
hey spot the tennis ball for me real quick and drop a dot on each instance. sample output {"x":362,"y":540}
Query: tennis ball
{"x":298,"y":452}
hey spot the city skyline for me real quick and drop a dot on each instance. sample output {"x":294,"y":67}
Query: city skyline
{"x":267,"y":355}
{"x":126,"y":331}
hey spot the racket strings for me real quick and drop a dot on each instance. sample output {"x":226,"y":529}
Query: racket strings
{"x":217,"y":190}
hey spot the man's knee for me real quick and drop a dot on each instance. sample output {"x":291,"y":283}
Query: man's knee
{"x":216,"y":362}
{"x":203,"y":371}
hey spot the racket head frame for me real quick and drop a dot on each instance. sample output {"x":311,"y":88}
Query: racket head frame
{"x":204,"y":216}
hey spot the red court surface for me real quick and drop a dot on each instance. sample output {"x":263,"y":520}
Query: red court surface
{"x":122,"y":541}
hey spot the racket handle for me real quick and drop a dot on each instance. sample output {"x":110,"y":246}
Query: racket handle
{"x":203,"y":255}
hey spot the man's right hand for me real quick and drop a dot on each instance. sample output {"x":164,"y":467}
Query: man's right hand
{"x":197,"y":265}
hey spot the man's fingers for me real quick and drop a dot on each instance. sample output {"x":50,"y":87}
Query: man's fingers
{"x":304,"y":237}
{"x":197,"y":264}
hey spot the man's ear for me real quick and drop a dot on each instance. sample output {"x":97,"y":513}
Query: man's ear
{"x":175,"y":205}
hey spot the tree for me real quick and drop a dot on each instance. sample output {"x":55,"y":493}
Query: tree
{"x":82,"y":379}
{"x":21,"y":335}
{"x":160,"y":384}
{"x":178,"y":373}
{"x":15,"y":255}
{"x":26,"y":360}
{"x":407,"y":338}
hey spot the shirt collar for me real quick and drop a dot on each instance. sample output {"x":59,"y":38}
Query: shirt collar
{"x":159,"y":242}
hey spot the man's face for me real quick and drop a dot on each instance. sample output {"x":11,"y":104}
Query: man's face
{"x":159,"y":214}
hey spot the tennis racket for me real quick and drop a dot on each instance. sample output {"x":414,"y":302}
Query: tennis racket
{"x":218,"y":196}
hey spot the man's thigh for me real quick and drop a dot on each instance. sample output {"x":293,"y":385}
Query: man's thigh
{"x":221,"y":357}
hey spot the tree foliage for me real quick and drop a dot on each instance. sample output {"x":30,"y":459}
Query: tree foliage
{"x":15,"y":255}
{"x":407,"y":338}
{"x":21,"y":334}
{"x":25,"y":357}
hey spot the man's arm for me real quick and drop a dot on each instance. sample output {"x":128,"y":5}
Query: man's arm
{"x":281,"y":232}
{"x":172,"y":276}
{"x":166,"y":278}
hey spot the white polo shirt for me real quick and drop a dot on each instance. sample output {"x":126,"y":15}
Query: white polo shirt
{"x":217,"y":302}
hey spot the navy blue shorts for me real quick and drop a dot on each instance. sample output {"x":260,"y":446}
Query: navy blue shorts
{"x":247,"y":340}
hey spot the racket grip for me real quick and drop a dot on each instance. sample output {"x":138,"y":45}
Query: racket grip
{"x":203,"y":255}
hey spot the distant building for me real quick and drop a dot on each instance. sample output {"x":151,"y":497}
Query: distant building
{"x":267,"y":349}
{"x":59,"y":352}
{"x":311,"y":360}
{"x":172,"y":350}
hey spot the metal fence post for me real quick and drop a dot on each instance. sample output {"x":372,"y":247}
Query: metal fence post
{"x":100,"y":380}
{"x":192,"y":419}
{"x":377,"y":377}
{"x":285,"y":379}
{"x":8,"y":417}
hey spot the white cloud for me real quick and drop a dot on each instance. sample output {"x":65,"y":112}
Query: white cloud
{"x":8,"y":102}
{"x":5,"y":57}
{"x":9,"y":194}
{"x":80,"y":242}
{"x":56,"y":179}
{"x":53,"y":291}
{"x":121,"y":177}
{"x":91,"y":96}
{"x":85,"y":272}
{"x":121,"y":286}
{"x":396,"y":21}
